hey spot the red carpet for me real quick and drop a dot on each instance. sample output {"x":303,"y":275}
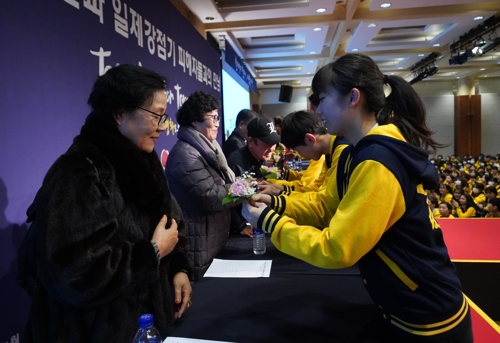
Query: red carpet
{"x":475,"y":240}
{"x":472,"y":239}
{"x":485,"y":329}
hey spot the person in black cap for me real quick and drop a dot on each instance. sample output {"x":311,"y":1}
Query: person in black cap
{"x":262,"y":140}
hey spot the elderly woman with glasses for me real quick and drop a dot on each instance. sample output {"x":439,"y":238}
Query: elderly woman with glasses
{"x":106,"y":237}
{"x":199,"y":177}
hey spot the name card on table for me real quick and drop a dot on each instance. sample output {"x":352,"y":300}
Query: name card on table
{"x":239,"y":269}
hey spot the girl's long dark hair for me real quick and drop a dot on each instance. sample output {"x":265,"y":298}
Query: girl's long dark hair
{"x":403,"y":107}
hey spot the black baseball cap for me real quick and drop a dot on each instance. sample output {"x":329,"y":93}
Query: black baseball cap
{"x":263,"y":129}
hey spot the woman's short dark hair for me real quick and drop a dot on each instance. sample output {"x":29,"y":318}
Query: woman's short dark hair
{"x":124,"y":87}
{"x":295,"y":126}
{"x":195,"y":107}
{"x":403,"y":107}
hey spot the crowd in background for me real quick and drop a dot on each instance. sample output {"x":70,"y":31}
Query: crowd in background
{"x":469,"y":187}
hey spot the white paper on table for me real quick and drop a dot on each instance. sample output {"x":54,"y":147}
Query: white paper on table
{"x":189,"y":340}
{"x":238,"y":268}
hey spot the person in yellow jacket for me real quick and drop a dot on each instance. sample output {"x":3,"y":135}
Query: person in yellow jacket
{"x":306,"y":180}
{"x":467,"y":208}
{"x":391,"y":234}
{"x":478,"y":193}
{"x":445,"y":210}
{"x":305,"y":133}
{"x":446,"y":193}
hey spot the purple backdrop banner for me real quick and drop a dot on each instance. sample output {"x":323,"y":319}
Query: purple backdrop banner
{"x":52,"y":52}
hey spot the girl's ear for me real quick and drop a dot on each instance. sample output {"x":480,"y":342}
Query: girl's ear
{"x":354,"y":97}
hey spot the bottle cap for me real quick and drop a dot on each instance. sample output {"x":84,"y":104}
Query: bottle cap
{"x":146,"y":320}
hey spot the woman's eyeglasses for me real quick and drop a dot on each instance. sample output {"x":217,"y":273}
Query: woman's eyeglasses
{"x":163,"y":117}
{"x":215,"y":118}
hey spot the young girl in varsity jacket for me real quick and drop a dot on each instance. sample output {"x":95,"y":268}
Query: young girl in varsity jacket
{"x":391,"y":235}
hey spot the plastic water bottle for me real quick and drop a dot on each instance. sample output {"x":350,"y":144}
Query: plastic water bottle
{"x":259,"y":241}
{"x":147,"y":333}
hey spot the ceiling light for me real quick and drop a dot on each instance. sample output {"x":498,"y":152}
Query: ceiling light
{"x":437,"y":44}
{"x":317,"y":29}
{"x":477,"y":51}
{"x":209,"y":18}
{"x":471,"y":43}
{"x":354,"y":49}
{"x":458,"y":77}
{"x":482,"y":69}
{"x":321,"y":10}
{"x":372,"y":25}
{"x":400,"y":68}
{"x":385,"y":5}
{"x":311,"y":61}
{"x":421,"y":55}
{"x":424,"y":68}
{"x":478,"y":17}
{"x":312,"y":52}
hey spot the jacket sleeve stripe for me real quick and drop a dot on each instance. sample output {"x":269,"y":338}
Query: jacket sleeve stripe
{"x":268,"y":220}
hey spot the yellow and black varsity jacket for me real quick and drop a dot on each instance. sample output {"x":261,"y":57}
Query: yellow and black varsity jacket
{"x":316,"y":208}
{"x":303,"y":181}
{"x":384,"y":224}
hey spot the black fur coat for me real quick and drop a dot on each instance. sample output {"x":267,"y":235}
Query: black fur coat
{"x":93,"y":220}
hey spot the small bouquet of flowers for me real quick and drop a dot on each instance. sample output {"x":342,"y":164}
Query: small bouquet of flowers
{"x":270,"y":172}
{"x":243,"y":187}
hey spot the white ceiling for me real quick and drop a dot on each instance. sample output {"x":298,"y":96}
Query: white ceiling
{"x":287,"y":41}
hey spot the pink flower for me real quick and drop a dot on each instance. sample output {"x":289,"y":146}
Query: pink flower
{"x":243,"y":187}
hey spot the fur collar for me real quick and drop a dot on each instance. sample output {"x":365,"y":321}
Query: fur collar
{"x":139,"y":175}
